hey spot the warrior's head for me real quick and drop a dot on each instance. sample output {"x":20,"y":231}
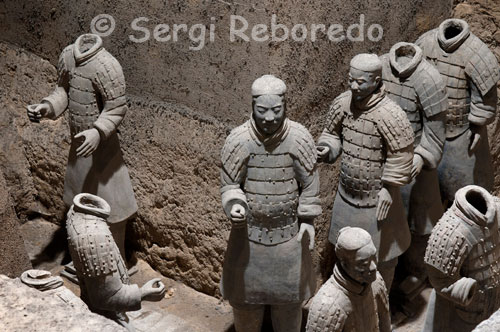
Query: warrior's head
{"x":268,"y":103}
{"x":365,"y":75}
{"x":357,"y":254}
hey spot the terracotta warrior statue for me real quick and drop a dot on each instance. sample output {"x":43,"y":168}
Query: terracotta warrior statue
{"x":92,"y":87}
{"x":101,"y":271}
{"x":354,"y":299}
{"x":376,"y":139}
{"x":270,"y":191}
{"x":463,"y":261}
{"x":471,"y":72}
{"x":416,"y":86}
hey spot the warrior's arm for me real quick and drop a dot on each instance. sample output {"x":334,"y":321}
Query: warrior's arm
{"x":382,"y":301}
{"x":111,"y":86}
{"x":331,"y":135}
{"x":482,"y":108}
{"x":397,"y":168}
{"x":455,"y":288}
{"x":231,"y":192}
{"x":432,"y":140}
{"x":109,"y":293}
{"x":309,"y":201}
{"x":58,"y":99}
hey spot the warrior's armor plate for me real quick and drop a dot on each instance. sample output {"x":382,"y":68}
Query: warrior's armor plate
{"x":269,"y":180}
{"x":366,"y":136}
{"x":469,"y":61}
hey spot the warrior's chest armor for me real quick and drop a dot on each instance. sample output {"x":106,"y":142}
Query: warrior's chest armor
{"x":84,"y":101}
{"x":451,"y":66}
{"x":402,"y":92}
{"x":272,"y":193}
{"x":363,"y":158}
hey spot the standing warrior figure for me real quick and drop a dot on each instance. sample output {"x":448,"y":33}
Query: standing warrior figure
{"x":463,"y":261}
{"x":470,"y":72}
{"x":101,"y":271}
{"x":92,"y":87}
{"x":270,"y":191}
{"x":416,"y":86}
{"x":354,"y":299}
{"x":377,"y":143}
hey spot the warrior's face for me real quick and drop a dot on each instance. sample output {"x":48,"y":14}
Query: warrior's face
{"x":362,"y":83}
{"x":269,"y":112}
{"x":363,"y":266}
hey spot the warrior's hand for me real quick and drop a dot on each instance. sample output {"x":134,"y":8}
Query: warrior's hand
{"x":305,"y":227}
{"x":238,"y":214}
{"x":384,"y":203}
{"x":475,"y":138}
{"x":323,"y":152}
{"x":418,"y":164}
{"x":153,"y":290}
{"x":92,"y":140}
{"x":462,"y":291}
{"x":37,"y":111}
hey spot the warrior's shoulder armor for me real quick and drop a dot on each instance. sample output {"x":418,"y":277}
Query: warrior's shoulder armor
{"x":337,"y":110}
{"x":430,"y":89}
{"x":449,"y":244}
{"x":481,"y":64}
{"x":236,"y":151}
{"x":303,"y":146}
{"x":380,"y":291}
{"x":109,"y":75}
{"x":393,"y":124}
{"x":328,"y":309}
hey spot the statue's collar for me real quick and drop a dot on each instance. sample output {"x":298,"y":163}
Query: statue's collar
{"x":467,"y":202}
{"x":269,"y":140}
{"x":405,"y":58}
{"x":346,"y":282}
{"x":451,"y":44}
{"x":86,"y":46}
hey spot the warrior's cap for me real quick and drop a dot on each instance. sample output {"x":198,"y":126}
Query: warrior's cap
{"x":367,"y":62}
{"x":351,"y":239}
{"x":268,"y":85}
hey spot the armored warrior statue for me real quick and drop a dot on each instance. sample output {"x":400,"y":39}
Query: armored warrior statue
{"x":101,"y":271}
{"x":377,"y":140}
{"x":463,"y":261}
{"x":416,"y":86}
{"x":354,"y":299}
{"x":92,"y":87}
{"x":270,"y":191}
{"x":470,"y":72}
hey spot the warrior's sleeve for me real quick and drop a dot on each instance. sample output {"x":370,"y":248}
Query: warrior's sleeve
{"x":483,"y":70}
{"x":398,"y":138}
{"x":446,"y":251}
{"x":234,"y":157}
{"x":58,"y":100}
{"x":304,"y":151}
{"x":433,"y":98}
{"x":482,"y":108}
{"x":111,"y":85}
{"x":109,"y":293}
{"x":382,"y":301}
{"x":332,"y":134}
